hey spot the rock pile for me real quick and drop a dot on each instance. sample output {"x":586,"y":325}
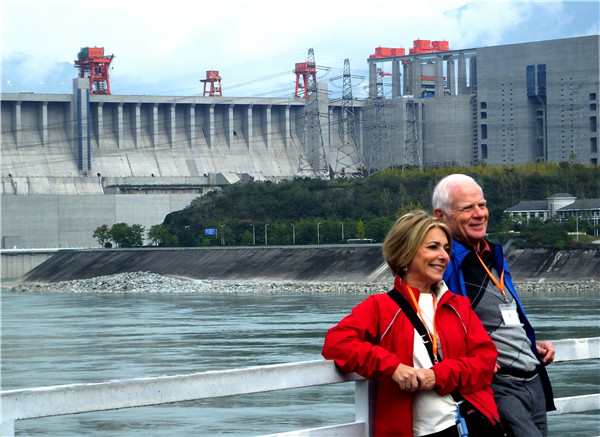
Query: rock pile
{"x":145,"y":282}
{"x":573,"y":288}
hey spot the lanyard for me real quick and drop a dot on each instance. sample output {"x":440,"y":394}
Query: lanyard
{"x":433,"y":338}
{"x":500,"y":284}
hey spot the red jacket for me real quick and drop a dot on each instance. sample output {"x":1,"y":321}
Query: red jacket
{"x":469,"y":355}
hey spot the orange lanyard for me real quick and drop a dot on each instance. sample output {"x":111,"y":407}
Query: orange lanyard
{"x":433,"y":338}
{"x":500,"y":284}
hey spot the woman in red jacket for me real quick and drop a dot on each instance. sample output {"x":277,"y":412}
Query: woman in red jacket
{"x":418,"y":391}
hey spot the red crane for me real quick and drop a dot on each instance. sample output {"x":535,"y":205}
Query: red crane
{"x":419,"y":46}
{"x":212,"y":78}
{"x":92,"y":63}
{"x":307,"y":71}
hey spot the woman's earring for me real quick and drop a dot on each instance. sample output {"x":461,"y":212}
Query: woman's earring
{"x":405,"y":269}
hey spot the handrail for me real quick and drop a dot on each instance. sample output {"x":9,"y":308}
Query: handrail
{"x":78,"y":398}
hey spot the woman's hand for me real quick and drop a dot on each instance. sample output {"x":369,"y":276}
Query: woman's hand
{"x":406,"y":378}
{"x":426,"y":379}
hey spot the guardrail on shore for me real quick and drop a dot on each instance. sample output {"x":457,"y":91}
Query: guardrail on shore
{"x":79,"y":398}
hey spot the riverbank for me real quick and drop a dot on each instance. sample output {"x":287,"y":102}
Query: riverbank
{"x":146,"y":282}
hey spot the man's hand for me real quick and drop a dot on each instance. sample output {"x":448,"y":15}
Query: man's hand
{"x":406,"y":378}
{"x":546,"y":351}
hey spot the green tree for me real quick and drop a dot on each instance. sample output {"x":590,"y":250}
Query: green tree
{"x":360,"y":229}
{"x":118,"y":233}
{"x":102,"y":235}
{"x":550,"y":234}
{"x":159,"y":235}
{"x":377,"y":228}
{"x":127,"y":236}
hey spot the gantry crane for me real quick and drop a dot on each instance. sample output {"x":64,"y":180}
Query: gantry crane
{"x":212,"y":78}
{"x":306,"y":76}
{"x":92,"y":63}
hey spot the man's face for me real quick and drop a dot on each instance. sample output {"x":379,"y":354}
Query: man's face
{"x":468,"y":214}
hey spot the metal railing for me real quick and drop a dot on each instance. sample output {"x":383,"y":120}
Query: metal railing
{"x":79,"y":398}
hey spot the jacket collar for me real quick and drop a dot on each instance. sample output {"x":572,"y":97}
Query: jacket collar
{"x":460,"y":251}
{"x":401,"y":286}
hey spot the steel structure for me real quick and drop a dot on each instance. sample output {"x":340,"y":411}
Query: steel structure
{"x":412,"y":151}
{"x":306,"y":75}
{"x":381,"y":154}
{"x":92,"y":64}
{"x":349,"y":161}
{"x":313,"y":159}
{"x":213,"y":81}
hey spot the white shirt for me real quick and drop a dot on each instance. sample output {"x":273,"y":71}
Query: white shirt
{"x":431,"y":412}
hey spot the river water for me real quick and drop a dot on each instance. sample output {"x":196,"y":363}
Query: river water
{"x":64,"y":338}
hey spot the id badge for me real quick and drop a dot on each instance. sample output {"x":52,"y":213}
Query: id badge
{"x":509,"y":315}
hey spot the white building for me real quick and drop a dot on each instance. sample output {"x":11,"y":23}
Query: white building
{"x":560,"y":206}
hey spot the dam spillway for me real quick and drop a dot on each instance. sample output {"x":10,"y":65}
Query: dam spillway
{"x":49,"y":141}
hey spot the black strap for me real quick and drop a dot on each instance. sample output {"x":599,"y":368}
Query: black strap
{"x":414,"y":319}
{"x":418,"y":324}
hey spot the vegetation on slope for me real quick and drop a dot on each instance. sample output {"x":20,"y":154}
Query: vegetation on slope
{"x":312,"y":211}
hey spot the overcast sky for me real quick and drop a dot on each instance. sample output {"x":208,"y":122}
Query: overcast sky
{"x":165,"y":47}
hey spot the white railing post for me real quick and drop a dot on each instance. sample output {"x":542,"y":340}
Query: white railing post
{"x":7,"y":427}
{"x":364,"y":404}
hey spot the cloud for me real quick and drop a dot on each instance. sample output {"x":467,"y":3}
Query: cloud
{"x":25,"y":73}
{"x":165,"y":47}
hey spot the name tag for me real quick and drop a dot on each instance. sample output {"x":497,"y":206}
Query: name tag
{"x":509,"y":315}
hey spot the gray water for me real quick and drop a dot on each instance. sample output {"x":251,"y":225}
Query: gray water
{"x":53,"y":339}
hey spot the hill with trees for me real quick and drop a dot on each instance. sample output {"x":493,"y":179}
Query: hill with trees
{"x":313,"y":211}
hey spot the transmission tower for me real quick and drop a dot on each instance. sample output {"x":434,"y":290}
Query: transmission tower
{"x":412,"y":154}
{"x":381,"y":154}
{"x":349,"y":159}
{"x":312,"y":160}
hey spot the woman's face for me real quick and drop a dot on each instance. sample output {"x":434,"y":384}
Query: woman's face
{"x":428,"y":265}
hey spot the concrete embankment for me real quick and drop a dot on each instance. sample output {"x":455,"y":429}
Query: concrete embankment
{"x":308,"y":263}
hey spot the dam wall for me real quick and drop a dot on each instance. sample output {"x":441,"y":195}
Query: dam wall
{"x":51,"y":141}
{"x":69,"y":221}
{"x":340,"y":263}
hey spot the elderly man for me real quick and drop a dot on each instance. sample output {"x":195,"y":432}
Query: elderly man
{"x":478,"y":270}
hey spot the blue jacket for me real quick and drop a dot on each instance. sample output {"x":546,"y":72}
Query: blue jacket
{"x":456,"y":283}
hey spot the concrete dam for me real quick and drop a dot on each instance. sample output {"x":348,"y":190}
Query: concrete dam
{"x":90,"y":144}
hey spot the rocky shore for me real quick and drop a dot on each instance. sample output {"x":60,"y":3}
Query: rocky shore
{"x":145,"y":282}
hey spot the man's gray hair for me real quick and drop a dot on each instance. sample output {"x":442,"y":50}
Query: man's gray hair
{"x":441,"y":193}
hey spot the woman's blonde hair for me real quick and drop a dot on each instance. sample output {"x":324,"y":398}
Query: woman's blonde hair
{"x":406,"y":236}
